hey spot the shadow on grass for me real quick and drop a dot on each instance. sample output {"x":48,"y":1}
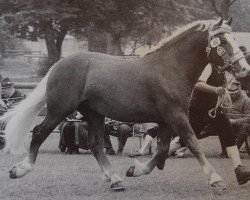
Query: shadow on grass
{"x":58,"y":152}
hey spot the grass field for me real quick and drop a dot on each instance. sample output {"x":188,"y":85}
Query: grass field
{"x":59,"y":177}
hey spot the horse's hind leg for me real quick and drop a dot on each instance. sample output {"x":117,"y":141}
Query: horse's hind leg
{"x":163,"y":140}
{"x":185,"y":131}
{"x":40,"y":133}
{"x":95,"y":138}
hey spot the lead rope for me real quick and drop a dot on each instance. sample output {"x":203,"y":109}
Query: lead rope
{"x":221,"y":99}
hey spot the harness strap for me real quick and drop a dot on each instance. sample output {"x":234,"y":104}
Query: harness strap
{"x":229,"y":61}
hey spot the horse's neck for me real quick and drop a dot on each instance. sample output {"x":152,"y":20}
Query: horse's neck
{"x":189,"y":57}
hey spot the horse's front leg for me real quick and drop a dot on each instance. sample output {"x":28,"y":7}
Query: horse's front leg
{"x":158,"y":159}
{"x":96,"y":140}
{"x":182,"y":126}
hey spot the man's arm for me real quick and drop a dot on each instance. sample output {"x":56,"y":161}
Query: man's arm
{"x":202,"y":85}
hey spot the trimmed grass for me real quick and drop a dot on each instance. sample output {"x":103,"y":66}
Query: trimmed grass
{"x":58,"y":176}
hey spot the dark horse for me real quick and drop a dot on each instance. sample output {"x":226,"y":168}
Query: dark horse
{"x":154,"y":88}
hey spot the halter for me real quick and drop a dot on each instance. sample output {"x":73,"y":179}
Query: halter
{"x":214,"y":42}
{"x":228,"y":60}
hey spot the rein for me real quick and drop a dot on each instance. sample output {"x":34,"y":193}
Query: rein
{"x":221,"y":100}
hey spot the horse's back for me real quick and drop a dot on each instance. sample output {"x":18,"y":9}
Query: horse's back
{"x":109,"y":85}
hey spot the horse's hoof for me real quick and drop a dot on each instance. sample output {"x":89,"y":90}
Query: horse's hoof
{"x":118,"y":186}
{"x":13,"y":173}
{"x":19,"y":170}
{"x":130,"y":172}
{"x":161,"y":165}
{"x":219,"y":187}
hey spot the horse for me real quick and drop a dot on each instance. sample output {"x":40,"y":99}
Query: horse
{"x":155,"y":88}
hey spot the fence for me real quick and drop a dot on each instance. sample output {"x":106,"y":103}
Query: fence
{"x":28,"y":56}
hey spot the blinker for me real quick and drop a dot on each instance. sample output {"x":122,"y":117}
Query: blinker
{"x":221,"y":51}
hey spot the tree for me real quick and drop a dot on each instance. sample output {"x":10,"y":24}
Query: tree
{"x":140,"y":20}
{"x":238,"y":10}
{"x":241,"y":15}
{"x":222,"y":7}
{"x":46,"y":19}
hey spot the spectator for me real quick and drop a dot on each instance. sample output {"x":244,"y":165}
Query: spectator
{"x":152,"y":130}
{"x":3,"y":109}
{"x":120,"y":130}
{"x":73,"y":134}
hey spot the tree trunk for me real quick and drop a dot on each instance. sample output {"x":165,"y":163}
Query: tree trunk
{"x":60,"y":37}
{"x":50,"y":39}
{"x":114,"y":45}
{"x":97,"y":42}
{"x":54,"y":40}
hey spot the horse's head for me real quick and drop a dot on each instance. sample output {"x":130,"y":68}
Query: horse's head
{"x":224,"y":51}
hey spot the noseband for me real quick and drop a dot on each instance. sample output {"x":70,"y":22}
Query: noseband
{"x":214,"y":42}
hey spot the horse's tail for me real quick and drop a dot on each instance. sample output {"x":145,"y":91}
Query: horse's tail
{"x":19,"y":120}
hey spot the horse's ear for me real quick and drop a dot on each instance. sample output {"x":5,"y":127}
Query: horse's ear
{"x":229,"y":22}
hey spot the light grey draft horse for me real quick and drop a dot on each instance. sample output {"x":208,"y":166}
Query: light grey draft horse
{"x":154,"y":88}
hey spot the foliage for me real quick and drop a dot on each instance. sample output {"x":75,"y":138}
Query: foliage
{"x":241,"y":16}
{"x":142,"y":22}
{"x":131,"y":23}
{"x":48,"y":19}
{"x":30,"y":18}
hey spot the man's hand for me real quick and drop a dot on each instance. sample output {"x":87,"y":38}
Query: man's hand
{"x":220,"y":90}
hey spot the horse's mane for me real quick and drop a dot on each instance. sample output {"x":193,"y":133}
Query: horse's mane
{"x":182,"y":32}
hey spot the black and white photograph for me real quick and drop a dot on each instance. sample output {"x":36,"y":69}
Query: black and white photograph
{"x":125,"y":99}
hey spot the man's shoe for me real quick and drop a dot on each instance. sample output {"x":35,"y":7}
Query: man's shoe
{"x":242,"y":175}
{"x":110,"y":152}
{"x":243,"y":150}
{"x":223,"y":155}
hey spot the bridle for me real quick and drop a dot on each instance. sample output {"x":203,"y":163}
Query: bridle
{"x":229,"y":61}
{"x":214,"y":42}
